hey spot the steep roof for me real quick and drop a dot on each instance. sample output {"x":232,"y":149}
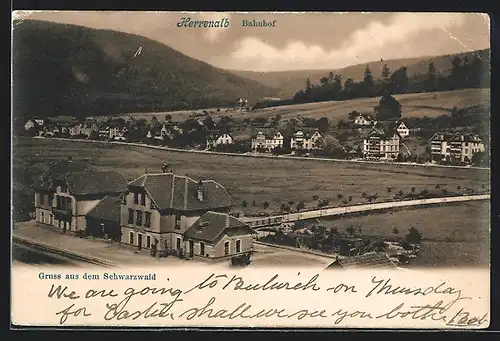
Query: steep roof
{"x":211,"y":226}
{"x":268,"y":132}
{"x":81,"y":178}
{"x":368,"y":117}
{"x":467,"y":137}
{"x":367,"y":261}
{"x":181,"y":192}
{"x":385,"y":129}
{"x":441,"y":136}
{"x":107,"y":209}
{"x":308,"y":132}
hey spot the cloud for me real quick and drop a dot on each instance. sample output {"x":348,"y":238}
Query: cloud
{"x":212,"y":33}
{"x":363,"y":45}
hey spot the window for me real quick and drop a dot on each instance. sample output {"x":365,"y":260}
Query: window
{"x":51,"y":197}
{"x":147,"y":216}
{"x":178,"y":243}
{"x":238,"y":246}
{"x":131,"y":238}
{"x":148,"y":242}
{"x":138,"y":220}
{"x":202,"y":249}
{"x":136,"y":198}
{"x":41,"y":217}
{"x":143,"y":199}
{"x":226,"y":248}
{"x":177,"y":222}
{"x":42,"y":199}
{"x":130,"y":216}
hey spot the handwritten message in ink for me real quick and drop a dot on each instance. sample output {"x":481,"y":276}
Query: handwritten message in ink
{"x":238,"y":299}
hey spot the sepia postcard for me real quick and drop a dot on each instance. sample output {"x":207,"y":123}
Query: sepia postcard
{"x":250,"y":169}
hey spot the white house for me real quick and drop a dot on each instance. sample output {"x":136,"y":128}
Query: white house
{"x":267,"y":139}
{"x":402,"y":129}
{"x":303,"y":139}
{"x":383,"y":142}
{"x":219,"y":139}
{"x":364,"y":120}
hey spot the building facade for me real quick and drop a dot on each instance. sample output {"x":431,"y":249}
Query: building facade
{"x":306,"y":140}
{"x":464,"y":146}
{"x":363,"y":120}
{"x":383,"y":143}
{"x":67,"y":191}
{"x":219,"y":139}
{"x":455,"y":146}
{"x":267,"y":139}
{"x":166,"y":212}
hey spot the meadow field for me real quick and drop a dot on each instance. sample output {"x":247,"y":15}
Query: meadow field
{"x":429,"y":104}
{"x":453,"y":234}
{"x":277,"y":181}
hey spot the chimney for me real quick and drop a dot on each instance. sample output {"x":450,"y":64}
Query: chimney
{"x":200,"y":190}
{"x":227,"y":220}
{"x":146,"y":171}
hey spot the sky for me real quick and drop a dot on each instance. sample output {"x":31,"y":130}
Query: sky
{"x":297,"y":41}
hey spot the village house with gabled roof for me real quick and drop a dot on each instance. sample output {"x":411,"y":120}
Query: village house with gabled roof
{"x":402,"y":129}
{"x":455,"y":146}
{"x":463,"y":146}
{"x":31,"y":123}
{"x":440,"y":149}
{"x":67,"y":191}
{"x":267,"y":138}
{"x":158,"y":211}
{"x":215,"y":139}
{"x":306,"y":139}
{"x":364,"y":120}
{"x":382,"y":142}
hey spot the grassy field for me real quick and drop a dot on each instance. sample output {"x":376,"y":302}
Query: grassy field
{"x":454,"y":235}
{"x":414,"y":105}
{"x":251,"y":179}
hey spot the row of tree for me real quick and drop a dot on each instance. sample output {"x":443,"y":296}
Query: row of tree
{"x":464,"y":74}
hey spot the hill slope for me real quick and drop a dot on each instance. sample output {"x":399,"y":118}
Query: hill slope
{"x":72,"y":70}
{"x":292,"y":81}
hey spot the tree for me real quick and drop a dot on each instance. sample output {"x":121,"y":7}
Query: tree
{"x":349,"y":198}
{"x":315,"y":197}
{"x":388,"y":109}
{"x":300,"y":206}
{"x":350,"y":230}
{"x":368,"y":83}
{"x":400,"y":81}
{"x":339,"y":195}
{"x":395,"y":231}
{"x":323,"y":124}
{"x":244,"y":203}
{"x":266,"y":204}
{"x":386,"y":73}
{"x":290,"y":202}
{"x":431,"y":78}
{"x":412,"y":189}
{"x":413,"y":236}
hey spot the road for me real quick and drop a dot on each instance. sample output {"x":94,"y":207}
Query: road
{"x":333,"y":211}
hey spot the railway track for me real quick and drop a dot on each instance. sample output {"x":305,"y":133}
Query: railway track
{"x":59,"y":254}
